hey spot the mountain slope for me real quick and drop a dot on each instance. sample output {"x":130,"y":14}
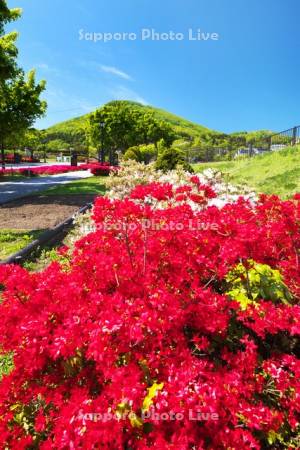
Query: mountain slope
{"x":71,"y":132}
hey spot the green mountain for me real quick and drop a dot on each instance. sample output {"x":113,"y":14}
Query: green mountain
{"x":72,"y":132}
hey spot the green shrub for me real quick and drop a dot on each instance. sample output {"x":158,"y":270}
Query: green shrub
{"x":141,"y":153}
{"x":134,"y":154}
{"x":170,"y":159}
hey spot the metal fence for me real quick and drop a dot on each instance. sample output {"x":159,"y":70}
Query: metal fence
{"x":275,"y":142}
{"x":285,"y":138}
{"x":260,"y":145}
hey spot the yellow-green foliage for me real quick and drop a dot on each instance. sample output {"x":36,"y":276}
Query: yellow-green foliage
{"x":247,"y":283}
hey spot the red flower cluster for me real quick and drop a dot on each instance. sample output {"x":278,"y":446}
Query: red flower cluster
{"x":46,"y":170}
{"x":165,"y":192}
{"x":206,"y":190}
{"x":133,"y":342}
{"x":12,"y":157}
{"x":96,"y":169}
{"x":158,"y":191}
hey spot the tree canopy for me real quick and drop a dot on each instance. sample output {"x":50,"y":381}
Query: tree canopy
{"x":126,"y":126}
{"x":20,"y":102}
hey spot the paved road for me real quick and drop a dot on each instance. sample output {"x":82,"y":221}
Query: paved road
{"x":40,"y":164}
{"x":11,"y":190}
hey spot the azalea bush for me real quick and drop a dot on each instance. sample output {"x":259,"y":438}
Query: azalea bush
{"x":13,"y":158}
{"x":51,"y":170}
{"x":95,"y":168}
{"x":169,"y":328}
{"x":99,"y":170}
{"x":131,"y":174}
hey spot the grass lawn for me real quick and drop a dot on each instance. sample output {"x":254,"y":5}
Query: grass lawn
{"x":9,"y":178}
{"x":273,"y":173}
{"x":11,"y":241}
{"x":92,"y":185}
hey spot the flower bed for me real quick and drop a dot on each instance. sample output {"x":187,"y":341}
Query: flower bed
{"x":99,"y":169}
{"x":14,"y":158}
{"x":173,"y":325}
{"x":132,"y":174}
{"x":96,"y":169}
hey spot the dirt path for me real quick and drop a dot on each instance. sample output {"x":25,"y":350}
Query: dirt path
{"x":40,"y":212}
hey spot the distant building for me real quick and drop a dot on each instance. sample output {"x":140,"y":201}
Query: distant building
{"x":259,"y":150}
{"x":276,"y":147}
{"x":242,"y":152}
{"x":250,"y":152}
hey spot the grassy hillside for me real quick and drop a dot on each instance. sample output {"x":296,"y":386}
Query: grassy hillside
{"x":273,"y":173}
{"x":179,"y":124}
{"x":69,"y":126}
{"x":72,"y":131}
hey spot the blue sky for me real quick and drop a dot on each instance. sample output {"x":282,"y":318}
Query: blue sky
{"x":247,"y":79}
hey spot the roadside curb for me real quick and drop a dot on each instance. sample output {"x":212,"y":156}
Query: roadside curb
{"x":49,"y":236}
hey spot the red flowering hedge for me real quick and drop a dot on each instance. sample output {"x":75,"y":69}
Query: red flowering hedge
{"x":99,"y":169}
{"x":96,"y":169}
{"x":160,"y":313}
{"x":28,"y":159}
{"x":13,"y":158}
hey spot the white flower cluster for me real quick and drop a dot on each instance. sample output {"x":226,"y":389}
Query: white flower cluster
{"x":226,"y":192}
{"x":132,"y":174}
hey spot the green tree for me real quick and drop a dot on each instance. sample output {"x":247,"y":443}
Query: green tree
{"x":20,"y":103}
{"x":31,"y":140}
{"x":127,"y":126}
{"x":8,"y":49}
{"x":56,"y":146}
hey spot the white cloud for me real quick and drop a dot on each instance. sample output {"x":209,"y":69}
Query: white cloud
{"x":123,"y":93}
{"x":115,"y":71}
{"x":46,"y":68}
{"x":60,"y":101}
{"x":42,"y":66}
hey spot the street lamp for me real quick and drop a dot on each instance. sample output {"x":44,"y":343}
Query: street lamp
{"x":119,"y":153}
{"x":71,"y":150}
{"x":3,"y":156}
{"x":43,"y":141}
{"x":101,"y":153}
